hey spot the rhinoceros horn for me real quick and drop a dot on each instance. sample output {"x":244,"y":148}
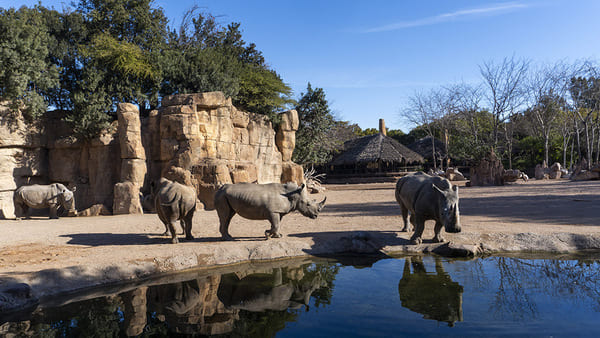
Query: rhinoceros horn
{"x":322,"y":203}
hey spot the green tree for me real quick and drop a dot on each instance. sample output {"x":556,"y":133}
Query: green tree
{"x":26,"y":72}
{"x":315,"y":122}
{"x":205,"y":56}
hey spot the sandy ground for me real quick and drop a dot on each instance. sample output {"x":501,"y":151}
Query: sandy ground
{"x":77,"y":252}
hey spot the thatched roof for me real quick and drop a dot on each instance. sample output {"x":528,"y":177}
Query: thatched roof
{"x":374,"y":148}
{"x":423,"y":147}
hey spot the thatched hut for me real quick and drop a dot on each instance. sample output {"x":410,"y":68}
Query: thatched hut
{"x":374,"y":154}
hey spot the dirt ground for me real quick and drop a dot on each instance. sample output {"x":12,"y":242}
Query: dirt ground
{"x":78,"y":252}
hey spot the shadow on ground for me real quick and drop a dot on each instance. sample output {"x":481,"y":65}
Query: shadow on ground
{"x":390,"y":208}
{"x":104,"y":239}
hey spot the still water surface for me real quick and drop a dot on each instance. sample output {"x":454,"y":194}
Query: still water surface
{"x":413,"y":296}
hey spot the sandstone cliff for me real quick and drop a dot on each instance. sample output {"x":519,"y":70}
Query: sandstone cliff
{"x":198,"y":139}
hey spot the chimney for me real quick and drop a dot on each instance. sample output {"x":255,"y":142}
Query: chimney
{"x":382,"y":127}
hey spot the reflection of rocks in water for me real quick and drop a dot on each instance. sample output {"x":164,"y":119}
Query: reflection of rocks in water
{"x":187,"y":307}
{"x":280,"y":290}
{"x":435,"y":296}
{"x":134,"y":311}
{"x":192,"y":307}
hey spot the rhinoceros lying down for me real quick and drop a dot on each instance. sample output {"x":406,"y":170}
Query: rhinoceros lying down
{"x":43,"y":196}
{"x":174,"y":201}
{"x":263,"y":201}
{"x":428,"y":198}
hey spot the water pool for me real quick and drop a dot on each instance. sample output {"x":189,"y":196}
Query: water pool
{"x":409,"y":296}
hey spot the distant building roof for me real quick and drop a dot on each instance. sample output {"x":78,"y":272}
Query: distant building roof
{"x":373,"y":148}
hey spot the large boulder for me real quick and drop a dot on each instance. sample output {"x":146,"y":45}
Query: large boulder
{"x":555,"y":171}
{"x":292,"y":172}
{"x":127,"y":199}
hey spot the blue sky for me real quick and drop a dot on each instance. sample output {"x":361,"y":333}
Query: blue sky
{"x":370,"y":56}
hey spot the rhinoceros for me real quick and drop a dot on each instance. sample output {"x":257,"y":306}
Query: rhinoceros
{"x":269,"y":201}
{"x":174,"y":201}
{"x":38,"y":196}
{"x":428,"y":198}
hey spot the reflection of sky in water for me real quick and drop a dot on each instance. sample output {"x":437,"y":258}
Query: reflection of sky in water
{"x":495,"y":296}
{"x":366,"y":301}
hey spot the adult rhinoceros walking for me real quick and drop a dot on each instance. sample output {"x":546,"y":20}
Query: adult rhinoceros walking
{"x":428,"y":198}
{"x":173,"y":202}
{"x":43,"y":196}
{"x":263,"y":201}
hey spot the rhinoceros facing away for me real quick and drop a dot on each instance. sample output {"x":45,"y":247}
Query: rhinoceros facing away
{"x":428,"y":198}
{"x":263,"y":201}
{"x":174,"y":201}
{"x":43,"y":196}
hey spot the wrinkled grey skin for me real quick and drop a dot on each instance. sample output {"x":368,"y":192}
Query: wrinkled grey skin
{"x":263,"y":201}
{"x":428,"y":198}
{"x":174,"y":201}
{"x":43,"y":196}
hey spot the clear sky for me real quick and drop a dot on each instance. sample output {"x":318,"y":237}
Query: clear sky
{"x":370,"y":56}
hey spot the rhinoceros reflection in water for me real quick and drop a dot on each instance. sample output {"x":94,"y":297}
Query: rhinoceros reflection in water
{"x":262,"y":292}
{"x":435,"y":296}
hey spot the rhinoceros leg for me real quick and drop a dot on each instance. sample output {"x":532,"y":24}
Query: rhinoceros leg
{"x":419,"y":227}
{"x":171,"y":227}
{"x":53,"y":212}
{"x":21,"y":210}
{"x":407,"y":227}
{"x":187,"y":221}
{"x":437,"y":238}
{"x":225,"y":216}
{"x":275,"y":220}
{"x":169,"y":221}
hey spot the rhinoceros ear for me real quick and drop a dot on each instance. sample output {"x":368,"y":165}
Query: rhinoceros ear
{"x":74,"y":189}
{"x":455,"y":188}
{"x":299,"y":190}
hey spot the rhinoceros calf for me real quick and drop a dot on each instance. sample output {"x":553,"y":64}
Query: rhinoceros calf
{"x":428,"y":198}
{"x":43,"y":196}
{"x":263,"y":201}
{"x":174,"y":201}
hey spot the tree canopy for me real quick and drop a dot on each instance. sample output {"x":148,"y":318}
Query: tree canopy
{"x":85,"y":61}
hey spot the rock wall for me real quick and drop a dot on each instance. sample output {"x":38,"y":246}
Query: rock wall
{"x":23,"y":156}
{"x":205,"y":135}
{"x":197,"y":139}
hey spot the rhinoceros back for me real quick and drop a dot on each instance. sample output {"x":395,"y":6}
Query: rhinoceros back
{"x":38,"y":196}
{"x":254,"y":200}
{"x":416,"y":191}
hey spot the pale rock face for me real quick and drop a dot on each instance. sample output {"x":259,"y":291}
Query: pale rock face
{"x":289,"y":121}
{"x":133,"y":170}
{"x":133,"y":161}
{"x":127,"y":199}
{"x":203,"y":136}
{"x":292,"y":172}
{"x":286,"y":141}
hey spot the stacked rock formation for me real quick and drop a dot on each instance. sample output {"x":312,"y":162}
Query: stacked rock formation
{"x":217,"y":143}
{"x":197,"y":139}
{"x":22,"y":154}
{"x":286,"y":142}
{"x":133,"y":162}
{"x":490,"y":171}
